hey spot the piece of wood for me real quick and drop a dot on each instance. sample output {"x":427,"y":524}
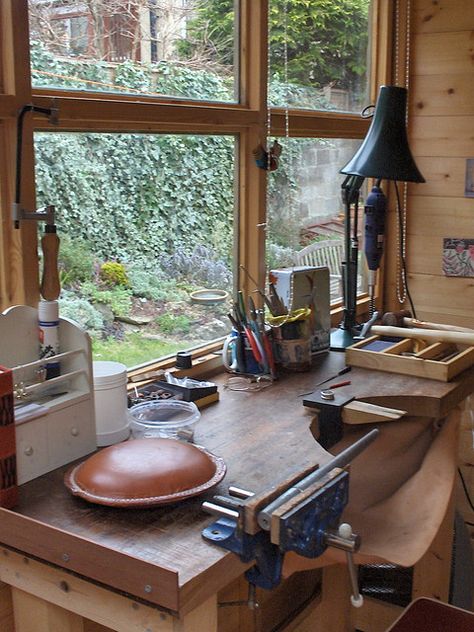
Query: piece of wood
{"x":461,"y":338}
{"x":375,"y":615}
{"x":356,"y":412}
{"x":202,"y":619}
{"x":33,"y":613}
{"x":334,"y":612}
{"x":258,"y":501}
{"x":423,"y":324}
{"x":56,"y":592}
{"x":6,"y":609}
{"x":431,"y":575}
{"x":50,"y":287}
{"x":453,"y":49}
{"x":444,"y":16}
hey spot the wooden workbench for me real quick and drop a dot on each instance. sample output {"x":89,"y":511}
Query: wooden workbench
{"x":150,"y":570}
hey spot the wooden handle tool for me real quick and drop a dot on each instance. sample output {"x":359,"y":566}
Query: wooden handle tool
{"x":50,"y":287}
{"x":421,"y":324}
{"x":456,"y":337}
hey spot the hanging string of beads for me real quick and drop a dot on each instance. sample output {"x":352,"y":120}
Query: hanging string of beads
{"x":402,"y":226}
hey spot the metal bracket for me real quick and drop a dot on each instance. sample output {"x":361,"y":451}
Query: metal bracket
{"x":329,"y":416}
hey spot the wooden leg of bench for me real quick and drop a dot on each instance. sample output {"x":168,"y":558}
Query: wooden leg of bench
{"x":201,"y":619}
{"x":432,"y":574}
{"x":6,"y":609}
{"x":33,"y":614}
{"x":334,"y":612}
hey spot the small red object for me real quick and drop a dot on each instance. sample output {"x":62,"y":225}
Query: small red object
{"x":339,"y":384}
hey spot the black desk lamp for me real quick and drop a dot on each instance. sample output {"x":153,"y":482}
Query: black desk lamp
{"x":384,"y":155}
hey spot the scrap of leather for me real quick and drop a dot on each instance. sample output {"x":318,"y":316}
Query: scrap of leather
{"x":145,"y":472}
{"x":399,"y":492}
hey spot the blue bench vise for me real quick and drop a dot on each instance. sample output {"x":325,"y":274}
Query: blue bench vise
{"x":301,"y":515}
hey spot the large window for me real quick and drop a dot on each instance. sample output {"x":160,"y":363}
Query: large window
{"x":151,"y":161}
{"x":305,"y":209}
{"x":319,"y":54}
{"x":146,"y":224}
{"x":150,"y":47}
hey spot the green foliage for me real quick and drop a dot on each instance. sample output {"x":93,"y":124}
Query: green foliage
{"x":81,"y":311}
{"x":174,"y":323}
{"x":119,"y":299}
{"x":326,"y":40}
{"x":154,"y":286}
{"x":113,"y":273}
{"x":75,"y":261}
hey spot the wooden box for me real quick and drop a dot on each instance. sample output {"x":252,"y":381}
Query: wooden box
{"x":62,"y":429}
{"x":439,"y":361}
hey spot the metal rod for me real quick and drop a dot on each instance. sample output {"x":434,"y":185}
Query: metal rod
{"x":238,"y":492}
{"x":341,"y":460}
{"x":220,"y":512}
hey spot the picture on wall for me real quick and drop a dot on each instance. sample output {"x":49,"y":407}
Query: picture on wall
{"x":469,"y":186}
{"x":458,"y":257}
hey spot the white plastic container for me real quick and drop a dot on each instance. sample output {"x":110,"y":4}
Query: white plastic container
{"x":169,"y":419}
{"x":110,"y":396}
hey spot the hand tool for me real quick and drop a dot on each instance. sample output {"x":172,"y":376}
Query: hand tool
{"x":375,"y":211}
{"x":403,"y":319}
{"x":456,"y":337}
{"x":346,"y":369}
{"x":302,"y":515}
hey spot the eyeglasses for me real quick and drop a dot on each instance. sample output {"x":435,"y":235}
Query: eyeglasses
{"x":248,"y":383}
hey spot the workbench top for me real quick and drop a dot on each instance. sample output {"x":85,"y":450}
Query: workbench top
{"x":158,"y":555}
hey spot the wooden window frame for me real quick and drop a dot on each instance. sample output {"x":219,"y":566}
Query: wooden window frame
{"x":19,"y":278}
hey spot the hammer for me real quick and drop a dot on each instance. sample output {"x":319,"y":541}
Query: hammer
{"x":403,"y":318}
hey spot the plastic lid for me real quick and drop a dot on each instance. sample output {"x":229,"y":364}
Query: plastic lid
{"x":106,"y":372}
{"x":48,"y":311}
{"x":160,"y":414}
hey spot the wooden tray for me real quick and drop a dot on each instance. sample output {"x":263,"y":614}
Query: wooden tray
{"x":439,"y":361}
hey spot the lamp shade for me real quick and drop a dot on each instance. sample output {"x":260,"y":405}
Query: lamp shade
{"x":385,"y":153}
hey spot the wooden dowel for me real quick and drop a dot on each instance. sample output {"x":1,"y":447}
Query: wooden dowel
{"x":456,"y":337}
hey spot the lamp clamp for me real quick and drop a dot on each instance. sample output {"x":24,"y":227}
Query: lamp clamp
{"x":43,"y":214}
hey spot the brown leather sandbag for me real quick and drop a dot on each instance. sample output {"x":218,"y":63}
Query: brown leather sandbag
{"x":145,"y":472}
{"x":399,"y":491}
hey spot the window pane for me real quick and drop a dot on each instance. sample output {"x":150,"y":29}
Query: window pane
{"x":305,"y":207}
{"x":144,"y":221}
{"x":326,"y":47}
{"x":178,"y":48}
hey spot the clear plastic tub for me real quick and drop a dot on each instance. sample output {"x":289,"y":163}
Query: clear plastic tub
{"x":172,"y":419}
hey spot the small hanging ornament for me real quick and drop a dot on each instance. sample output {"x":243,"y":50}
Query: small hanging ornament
{"x":262,"y":156}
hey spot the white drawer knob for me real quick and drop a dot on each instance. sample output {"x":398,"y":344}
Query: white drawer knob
{"x":28,"y":451}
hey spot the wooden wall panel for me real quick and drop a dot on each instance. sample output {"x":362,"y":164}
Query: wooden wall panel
{"x":443,"y":95}
{"x":438,"y":16}
{"x":445,"y":177}
{"x":437,"y":136}
{"x":441,"y":124}
{"x":443,"y":53}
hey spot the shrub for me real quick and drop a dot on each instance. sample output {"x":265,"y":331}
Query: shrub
{"x":75,"y":261}
{"x":119,"y":299}
{"x":113,"y":273}
{"x":200,"y":266}
{"x":154,"y":286}
{"x":172,"y":324}
{"x":80,"y":311}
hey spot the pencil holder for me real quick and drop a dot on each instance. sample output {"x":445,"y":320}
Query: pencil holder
{"x":239,"y":357}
